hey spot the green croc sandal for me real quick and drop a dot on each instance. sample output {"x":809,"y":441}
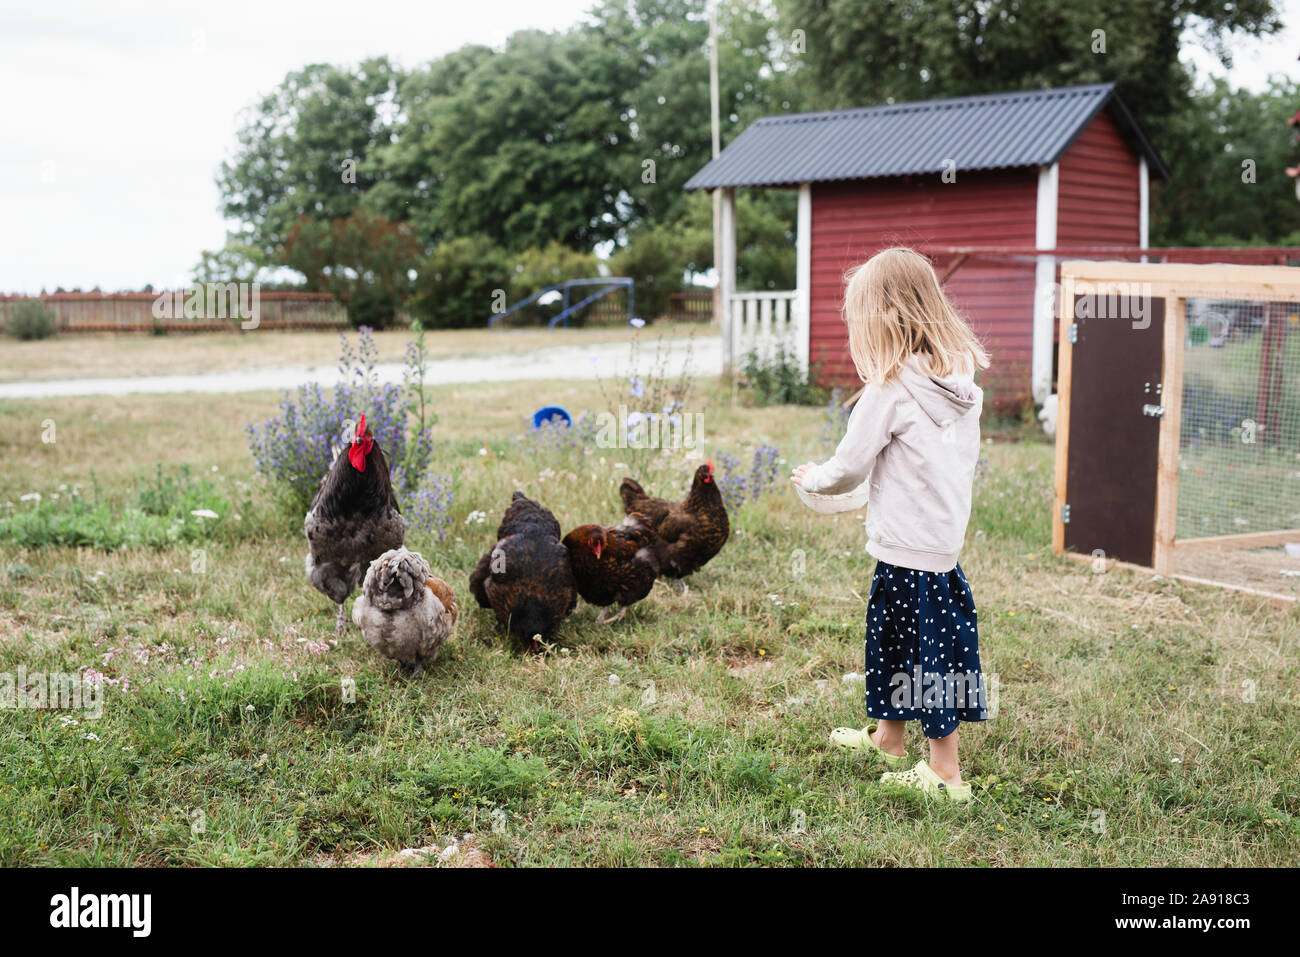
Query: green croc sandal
{"x":859,"y":739}
{"x":922,"y":778}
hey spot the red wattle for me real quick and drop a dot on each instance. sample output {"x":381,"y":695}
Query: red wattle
{"x":358,"y":452}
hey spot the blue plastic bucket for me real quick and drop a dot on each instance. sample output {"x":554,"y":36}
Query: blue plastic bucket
{"x":548,"y":412}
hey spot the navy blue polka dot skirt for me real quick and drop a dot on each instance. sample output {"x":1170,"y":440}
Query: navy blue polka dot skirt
{"x":923,"y":659}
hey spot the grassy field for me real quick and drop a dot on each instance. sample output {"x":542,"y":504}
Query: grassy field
{"x":109,"y":355}
{"x":1140,"y":722}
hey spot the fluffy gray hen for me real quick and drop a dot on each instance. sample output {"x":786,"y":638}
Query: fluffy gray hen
{"x":403,"y":611}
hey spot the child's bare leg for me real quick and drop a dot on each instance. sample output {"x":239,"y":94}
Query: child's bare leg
{"x":889,"y":736}
{"x":943,"y":759}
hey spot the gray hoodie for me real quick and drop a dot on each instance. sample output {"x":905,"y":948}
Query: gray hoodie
{"x":918,"y":438}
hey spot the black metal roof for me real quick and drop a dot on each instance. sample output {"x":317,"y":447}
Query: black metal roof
{"x":1031,"y":128}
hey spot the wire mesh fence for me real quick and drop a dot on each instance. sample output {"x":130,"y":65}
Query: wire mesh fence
{"x":1239,"y":460}
{"x":1239,"y":468}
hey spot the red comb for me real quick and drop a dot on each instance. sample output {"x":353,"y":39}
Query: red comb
{"x":361,"y":446}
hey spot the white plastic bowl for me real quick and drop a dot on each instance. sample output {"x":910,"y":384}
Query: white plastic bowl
{"x":832,"y":504}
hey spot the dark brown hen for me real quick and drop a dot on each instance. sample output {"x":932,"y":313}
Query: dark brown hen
{"x":690,"y":532}
{"x":615,"y":563}
{"x":526,"y":578}
{"x":353,"y":519}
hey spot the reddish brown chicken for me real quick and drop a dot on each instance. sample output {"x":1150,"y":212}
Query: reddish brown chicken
{"x":353,"y":519}
{"x":690,"y":532}
{"x":526,"y":578}
{"x":615,"y":563}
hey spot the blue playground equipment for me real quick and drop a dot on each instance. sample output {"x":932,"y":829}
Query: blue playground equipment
{"x":609,"y":284}
{"x":548,"y":412}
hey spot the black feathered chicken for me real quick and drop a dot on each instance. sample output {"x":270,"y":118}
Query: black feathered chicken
{"x":525,"y":578}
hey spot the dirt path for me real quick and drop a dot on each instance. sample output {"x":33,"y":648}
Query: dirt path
{"x":584,"y":362}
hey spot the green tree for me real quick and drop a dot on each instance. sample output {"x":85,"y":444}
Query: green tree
{"x":522,"y":147}
{"x":1228,"y":151}
{"x":876,"y":51}
{"x":408,"y":176}
{"x":363,"y":260}
{"x":236,"y":261}
{"x":306,"y":149}
{"x":662,"y":49}
{"x":459,"y":282}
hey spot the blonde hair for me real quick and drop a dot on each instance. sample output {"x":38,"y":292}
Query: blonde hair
{"x":895,"y":308}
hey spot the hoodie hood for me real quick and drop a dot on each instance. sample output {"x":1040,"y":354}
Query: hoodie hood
{"x":944,"y":400}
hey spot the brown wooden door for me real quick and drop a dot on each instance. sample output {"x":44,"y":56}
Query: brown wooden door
{"x":1110,"y":485}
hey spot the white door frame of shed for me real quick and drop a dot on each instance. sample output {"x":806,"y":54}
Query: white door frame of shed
{"x":1049,"y":179}
{"x":758,"y":321}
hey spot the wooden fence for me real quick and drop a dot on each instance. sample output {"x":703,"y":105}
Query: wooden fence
{"x":694,"y":306}
{"x":134,"y":312}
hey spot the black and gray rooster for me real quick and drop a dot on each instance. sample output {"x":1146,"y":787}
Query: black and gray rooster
{"x":353,"y":519}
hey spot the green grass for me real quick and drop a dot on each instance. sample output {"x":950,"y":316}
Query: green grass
{"x":1120,"y":695}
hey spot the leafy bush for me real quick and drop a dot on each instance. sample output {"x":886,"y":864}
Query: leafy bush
{"x":169,"y":510}
{"x":295,"y":449}
{"x":653,"y":259}
{"x":373,"y":308}
{"x":428,"y":506}
{"x":363,"y":260}
{"x":31,"y":319}
{"x":780,"y":380}
{"x":535,"y":269}
{"x":456,"y":282}
{"x":740,"y":488}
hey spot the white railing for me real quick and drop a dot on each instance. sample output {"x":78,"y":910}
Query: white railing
{"x":760,"y":321}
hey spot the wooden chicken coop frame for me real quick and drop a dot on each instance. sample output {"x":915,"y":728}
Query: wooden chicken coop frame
{"x":1126,"y":422}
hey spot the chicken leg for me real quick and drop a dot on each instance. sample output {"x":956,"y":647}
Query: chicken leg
{"x":602,"y":620}
{"x":342,"y":623}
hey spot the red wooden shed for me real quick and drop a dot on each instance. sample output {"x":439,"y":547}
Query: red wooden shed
{"x":1033,"y":171}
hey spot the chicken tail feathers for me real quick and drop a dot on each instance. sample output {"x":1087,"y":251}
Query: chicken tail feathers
{"x":478,"y":580}
{"x":631,"y":492}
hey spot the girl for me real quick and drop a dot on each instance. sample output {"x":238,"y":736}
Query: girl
{"x":915,"y":435}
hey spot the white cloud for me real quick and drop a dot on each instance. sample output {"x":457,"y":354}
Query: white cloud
{"x":116,"y":116}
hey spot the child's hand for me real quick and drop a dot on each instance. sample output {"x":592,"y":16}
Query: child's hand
{"x":797,"y":476}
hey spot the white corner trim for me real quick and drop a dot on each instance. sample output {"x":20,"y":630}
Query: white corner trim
{"x":727,"y":276}
{"x":803,"y":275}
{"x":1045,"y":283}
{"x":1144,"y":200}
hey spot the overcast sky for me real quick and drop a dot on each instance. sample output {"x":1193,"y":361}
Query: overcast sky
{"x":116,"y":115}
